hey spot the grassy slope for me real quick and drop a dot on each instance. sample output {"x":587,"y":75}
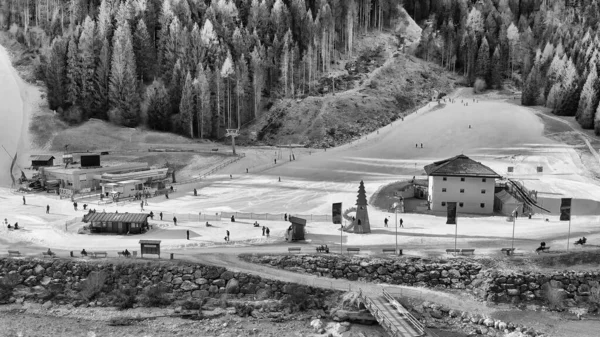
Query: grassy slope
{"x":334,"y":119}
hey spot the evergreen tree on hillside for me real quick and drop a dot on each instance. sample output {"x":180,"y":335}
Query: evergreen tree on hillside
{"x":176,"y":86}
{"x":597,"y":123}
{"x":187,"y":108}
{"x":172,"y":48}
{"x":73,"y":72}
{"x":123,"y":85}
{"x":100,"y":102}
{"x":496,"y":73}
{"x":203,"y":102}
{"x":144,"y":53}
{"x":483,"y":61}
{"x":588,"y":101}
{"x":531,"y":88}
{"x":56,"y":74}
{"x":87,"y":58}
{"x":158,"y":106}
{"x":258,"y":77}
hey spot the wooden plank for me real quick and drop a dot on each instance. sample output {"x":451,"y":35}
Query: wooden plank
{"x":402,"y":325}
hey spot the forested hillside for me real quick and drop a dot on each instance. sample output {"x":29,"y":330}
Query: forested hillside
{"x":550,"y":48}
{"x":194,"y":67}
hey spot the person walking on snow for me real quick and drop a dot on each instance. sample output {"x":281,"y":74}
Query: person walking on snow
{"x":264,"y":228}
{"x":268,"y":231}
{"x":227,"y":235}
{"x":142,"y":206}
{"x":160,"y":216}
{"x":385,"y":222}
{"x":24,"y":200}
{"x":47,"y":209}
{"x":175,"y":221}
{"x":401,"y":223}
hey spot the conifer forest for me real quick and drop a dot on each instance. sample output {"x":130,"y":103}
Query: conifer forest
{"x":197,"y":67}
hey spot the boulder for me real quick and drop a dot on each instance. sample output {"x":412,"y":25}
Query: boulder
{"x":317,"y":324}
{"x":360,"y":317}
{"x":177,"y":280}
{"x":232,"y":287}
{"x":187,"y":286}
{"x":201,"y":281}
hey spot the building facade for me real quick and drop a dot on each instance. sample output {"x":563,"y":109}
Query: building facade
{"x":462,"y":180}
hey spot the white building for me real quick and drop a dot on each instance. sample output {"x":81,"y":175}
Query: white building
{"x":462,"y":180}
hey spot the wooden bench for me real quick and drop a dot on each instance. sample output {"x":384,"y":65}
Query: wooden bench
{"x":14,"y":253}
{"x":98,"y":254}
{"x":46,"y":254}
{"x":391,"y":251}
{"x":353,"y":250}
{"x":215,"y":150}
{"x":468,"y":251}
{"x":294,"y":249}
{"x":448,"y":251}
{"x":508,"y":251}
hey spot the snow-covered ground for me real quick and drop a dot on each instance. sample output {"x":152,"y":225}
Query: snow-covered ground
{"x":502,"y":134}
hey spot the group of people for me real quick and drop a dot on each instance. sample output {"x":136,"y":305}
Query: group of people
{"x":385,"y":222}
{"x":581,"y":241}
{"x":16,"y":226}
{"x":126,"y":253}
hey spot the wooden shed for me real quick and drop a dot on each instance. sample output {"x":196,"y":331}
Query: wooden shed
{"x":150,"y":247}
{"x":297,"y":228}
{"x":42,"y":160}
{"x":120,"y":223}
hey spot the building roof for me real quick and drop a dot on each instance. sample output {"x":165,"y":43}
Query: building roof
{"x":117,"y":217}
{"x":153,"y":242}
{"x":460,"y":166}
{"x":129,"y":182}
{"x":42,"y":157}
{"x":296,"y":220}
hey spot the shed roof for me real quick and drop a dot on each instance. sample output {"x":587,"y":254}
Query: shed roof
{"x":43,"y":157}
{"x":118,"y":217}
{"x":297,"y":221}
{"x":153,"y":242}
{"x":460,"y":166}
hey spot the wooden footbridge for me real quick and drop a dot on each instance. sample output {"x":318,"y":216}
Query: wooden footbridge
{"x":392,"y":316}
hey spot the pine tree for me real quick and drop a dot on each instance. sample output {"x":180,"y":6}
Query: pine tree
{"x":187,"y":108}
{"x":483,"y":61}
{"x":56,"y":74}
{"x":285,"y":63}
{"x":257,"y":76}
{"x":171,"y":49}
{"x":531,"y":88}
{"x":176,"y":86}
{"x":123,"y":85}
{"x":73,"y":72}
{"x":87,"y":57}
{"x":203,"y":102}
{"x":241,"y":86}
{"x":496,"y":73}
{"x":588,"y":101}
{"x":100,"y":104}
{"x":597,"y":123}
{"x":144,"y":53}
{"x":158,"y":106}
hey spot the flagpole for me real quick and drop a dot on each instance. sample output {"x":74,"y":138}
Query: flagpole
{"x":569,"y":236}
{"x":455,"y":234}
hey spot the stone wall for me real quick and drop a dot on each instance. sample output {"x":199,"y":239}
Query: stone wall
{"x":413,"y":272}
{"x":489,"y":284}
{"x":35,"y":279}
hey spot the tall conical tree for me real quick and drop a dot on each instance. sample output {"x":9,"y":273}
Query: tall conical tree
{"x":176,"y":86}
{"x":496,"y":73}
{"x":483,"y":61}
{"x":56,"y":74}
{"x":202,"y":102}
{"x":588,"y":101}
{"x":87,"y":57}
{"x":101,"y":82}
{"x":597,"y":123}
{"x":186,"y":107}
{"x":144,"y":53}
{"x":158,"y":106}
{"x":73,"y":72}
{"x":123,"y":85}
{"x":531,"y":89}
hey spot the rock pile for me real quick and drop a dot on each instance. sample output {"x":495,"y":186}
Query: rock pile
{"x":35,"y":279}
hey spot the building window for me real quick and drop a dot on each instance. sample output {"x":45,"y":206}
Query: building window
{"x":483,"y":180}
{"x":482,"y":191}
{"x":443,"y":204}
{"x":462,"y":190}
{"x":462,"y":179}
{"x":482,"y":205}
{"x":443,"y":190}
{"x":444,"y":178}
{"x":460,"y":204}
